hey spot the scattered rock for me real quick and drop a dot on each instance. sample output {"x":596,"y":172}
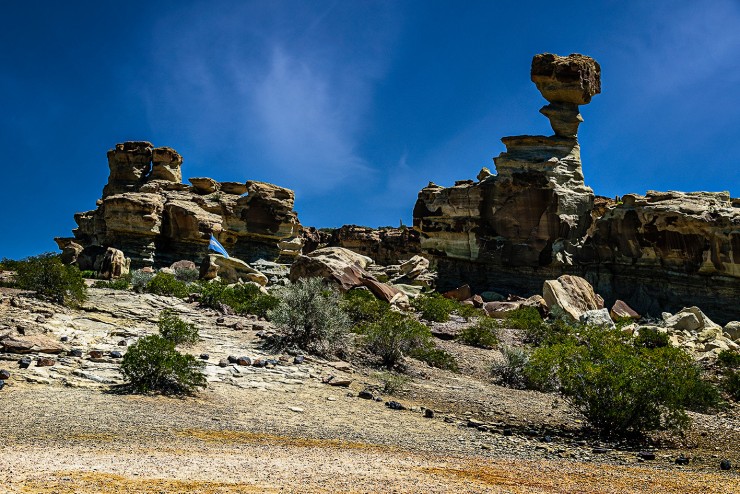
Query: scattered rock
{"x":366,"y":394}
{"x":4,"y":375}
{"x":681,"y":460}
{"x":298,"y":359}
{"x":75,"y":352}
{"x":428,"y":413}
{"x":461,"y":293}
{"x":24,"y":363}
{"x":223,"y":363}
{"x":31,"y":344}
{"x":247,"y":361}
{"x":620,"y":310}
{"x":332,"y":380}
{"x":232,"y":359}
{"x":646,"y":455}
{"x":95,"y":354}
{"x":230,"y":270}
{"x":2,"y":384}
{"x":296,"y":409}
{"x":725,"y":465}
{"x":116,"y":354}
{"x":45,"y":362}
{"x":599,"y":318}
{"x":204,"y":356}
{"x":394,"y":405}
{"x":571,"y":294}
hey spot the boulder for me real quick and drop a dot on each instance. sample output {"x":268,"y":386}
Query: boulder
{"x":30,"y":344}
{"x":414,"y":267}
{"x":571,"y":294}
{"x":166,"y":163}
{"x":732,"y":330}
{"x":690,"y":319}
{"x":462,"y":293}
{"x":598,"y":317}
{"x":114,"y":264}
{"x":236,"y":188}
{"x":336,"y":264}
{"x":230,"y":270}
{"x":573,"y":79}
{"x":204,"y":185}
{"x":621,"y":310}
{"x":500,"y":310}
{"x":183,"y":264}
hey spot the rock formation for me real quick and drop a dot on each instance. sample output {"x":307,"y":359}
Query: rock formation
{"x":385,"y":245}
{"x":536,"y":219}
{"x":152,"y":217}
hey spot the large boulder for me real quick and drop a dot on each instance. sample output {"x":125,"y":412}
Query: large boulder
{"x":571,"y":294}
{"x":599,"y":318}
{"x":230,"y":270}
{"x":30,"y":344}
{"x":573,"y":79}
{"x":690,"y":319}
{"x":114,"y":264}
{"x":620,"y":310}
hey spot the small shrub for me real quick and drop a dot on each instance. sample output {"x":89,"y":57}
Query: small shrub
{"x":308,"y":316}
{"x":121,"y":283}
{"x":187,"y":275}
{"x":393,"y":383}
{"x":153,"y":364}
{"x":509,"y":369}
{"x":394,"y":336}
{"x":729,"y":362}
{"x":88,"y":274}
{"x":651,"y":338}
{"x":50,"y":278}
{"x":9,"y":264}
{"x":362,"y":306}
{"x":482,"y":334}
{"x":243,"y":298}
{"x":436,"y":357}
{"x":139,"y":280}
{"x":174,"y":329}
{"x":624,"y":390}
{"x":167,"y":284}
{"x":434,"y":307}
{"x":468,"y":311}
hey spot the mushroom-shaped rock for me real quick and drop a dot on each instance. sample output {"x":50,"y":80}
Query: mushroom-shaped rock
{"x":572,"y":79}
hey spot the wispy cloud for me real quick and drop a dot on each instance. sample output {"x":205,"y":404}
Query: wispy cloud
{"x":286,"y":87}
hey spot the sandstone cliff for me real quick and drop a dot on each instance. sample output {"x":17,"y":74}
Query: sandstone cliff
{"x":149,"y":214}
{"x":536,"y":219}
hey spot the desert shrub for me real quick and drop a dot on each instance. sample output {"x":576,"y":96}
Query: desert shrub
{"x":121,"y":283}
{"x":167,"y":284}
{"x":509,"y":369}
{"x":187,"y":275}
{"x":468,"y":311}
{"x":434,"y":307}
{"x":139,"y":280}
{"x":308,"y":316}
{"x":436,"y":357}
{"x":50,"y":278}
{"x":174,"y":329}
{"x":393,"y":382}
{"x":153,"y":364}
{"x":9,"y":264}
{"x":243,"y":298}
{"x":362,"y":306}
{"x":88,"y":274}
{"x":482,"y":334}
{"x":394,"y":336}
{"x":623,"y":389}
{"x":537,"y":331}
{"x":651,"y":338}
{"x":729,"y":363}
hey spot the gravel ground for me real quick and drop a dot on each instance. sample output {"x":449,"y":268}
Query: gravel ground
{"x":285,"y":434}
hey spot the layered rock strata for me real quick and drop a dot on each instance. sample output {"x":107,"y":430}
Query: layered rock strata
{"x":536,"y":219}
{"x":149,"y":214}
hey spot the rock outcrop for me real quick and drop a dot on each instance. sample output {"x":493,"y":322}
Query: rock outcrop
{"x":536,"y":219}
{"x":385,"y":245}
{"x":149,"y":214}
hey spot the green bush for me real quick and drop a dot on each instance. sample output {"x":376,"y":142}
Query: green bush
{"x":393,"y":383}
{"x":153,"y":364}
{"x":174,"y":329}
{"x":121,"y":283}
{"x":651,"y":338}
{"x":243,"y":298}
{"x":50,"y":278}
{"x":729,"y":362}
{"x":187,"y":275}
{"x":468,"y":311}
{"x":623,"y":389}
{"x":167,"y":284}
{"x":434,"y":307}
{"x":139,"y":280}
{"x":436,"y":357}
{"x":10,"y":264}
{"x":509,"y":369}
{"x":362,"y":306}
{"x":88,"y":274}
{"x":394,"y":336}
{"x":308,"y":316}
{"x":482,"y":334}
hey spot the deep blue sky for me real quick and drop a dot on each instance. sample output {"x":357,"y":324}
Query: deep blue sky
{"x":355,"y":105}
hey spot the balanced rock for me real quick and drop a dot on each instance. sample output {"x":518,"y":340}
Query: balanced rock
{"x":230,"y":270}
{"x":573,"y":79}
{"x":571,"y":294}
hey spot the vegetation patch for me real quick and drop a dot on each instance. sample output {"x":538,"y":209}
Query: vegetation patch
{"x":174,"y":329}
{"x":50,"y":278}
{"x":394,"y":336}
{"x":483,"y":334}
{"x":434,"y":307}
{"x":362,"y":306}
{"x":242,"y":298}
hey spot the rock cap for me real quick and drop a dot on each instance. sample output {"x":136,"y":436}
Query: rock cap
{"x":573,"y":79}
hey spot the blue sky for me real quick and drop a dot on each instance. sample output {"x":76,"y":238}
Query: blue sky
{"x":356,"y":105}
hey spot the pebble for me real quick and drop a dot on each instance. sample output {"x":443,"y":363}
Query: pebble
{"x":646,"y":455}
{"x":245,"y":361}
{"x":365,"y":394}
{"x":122,"y":343}
{"x":24,"y":363}
{"x":232,"y":359}
{"x":2,"y":384}
{"x":725,"y":465}
{"x":428,"y":414}
{"x":223,"y":363}
{"x":45,"y":362}
{"x":298,"y":359}
{"x":330,"y":398}
{"x":204,"y":356}
{"x":4,"y":375}
{"x":95,"y":354}
{"x":75,"y":352}
{"x":116,"y":354}
{"x":296,"y":409}
{"x":682,"y":460}
{"x":64,"y":338}
{"x":394,"y":405}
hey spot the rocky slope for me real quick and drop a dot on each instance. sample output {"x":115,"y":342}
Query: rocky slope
{"x":149,"y":214}
{"x":536,"y":219}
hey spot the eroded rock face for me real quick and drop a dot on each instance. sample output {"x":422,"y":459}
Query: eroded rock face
{"x":383,"y":245}
{"x":536,"y":219}
{"x":152,"y":217}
